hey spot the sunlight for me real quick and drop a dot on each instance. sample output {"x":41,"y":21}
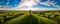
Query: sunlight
{"x":28,"y":3}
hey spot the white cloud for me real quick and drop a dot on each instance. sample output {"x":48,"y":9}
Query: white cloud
{"x":33,"y":2}
{"x":57,"y":6}
{"x":27,"y":3}
{"x":48,"y":3}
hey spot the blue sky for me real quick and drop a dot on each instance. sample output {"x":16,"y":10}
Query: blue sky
{"x":45,"y":6}
{"x":15,"y":3}
{"x":58,"y":1}
{"x":10,"y":3}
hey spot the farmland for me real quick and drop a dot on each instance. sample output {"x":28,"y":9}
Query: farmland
{"x":24,"y":17}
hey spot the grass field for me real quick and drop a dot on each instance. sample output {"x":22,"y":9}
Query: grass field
{"x":24,"y":17}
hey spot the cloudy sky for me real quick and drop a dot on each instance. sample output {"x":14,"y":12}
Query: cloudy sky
{"x":30,"y":4}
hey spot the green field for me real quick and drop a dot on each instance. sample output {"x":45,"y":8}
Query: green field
{"x":24,"y":17}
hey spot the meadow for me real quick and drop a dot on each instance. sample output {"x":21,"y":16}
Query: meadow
{"x":27,"y":17}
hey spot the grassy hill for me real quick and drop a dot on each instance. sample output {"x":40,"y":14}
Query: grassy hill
{"x":23,"y":17}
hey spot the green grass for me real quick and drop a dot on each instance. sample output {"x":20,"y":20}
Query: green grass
{"x":43,"y":20}
{"x":35,"y":18}
{"x":31,"y":20}
{"x":15,"y":20}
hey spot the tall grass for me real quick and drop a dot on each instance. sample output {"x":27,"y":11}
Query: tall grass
{"x":15,"y":20}
{"x":32,"y":19}
{"x":43,"y":20}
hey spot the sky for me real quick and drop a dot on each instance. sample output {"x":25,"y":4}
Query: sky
{"x":9,"y":3}
{"x":29,"y":4}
